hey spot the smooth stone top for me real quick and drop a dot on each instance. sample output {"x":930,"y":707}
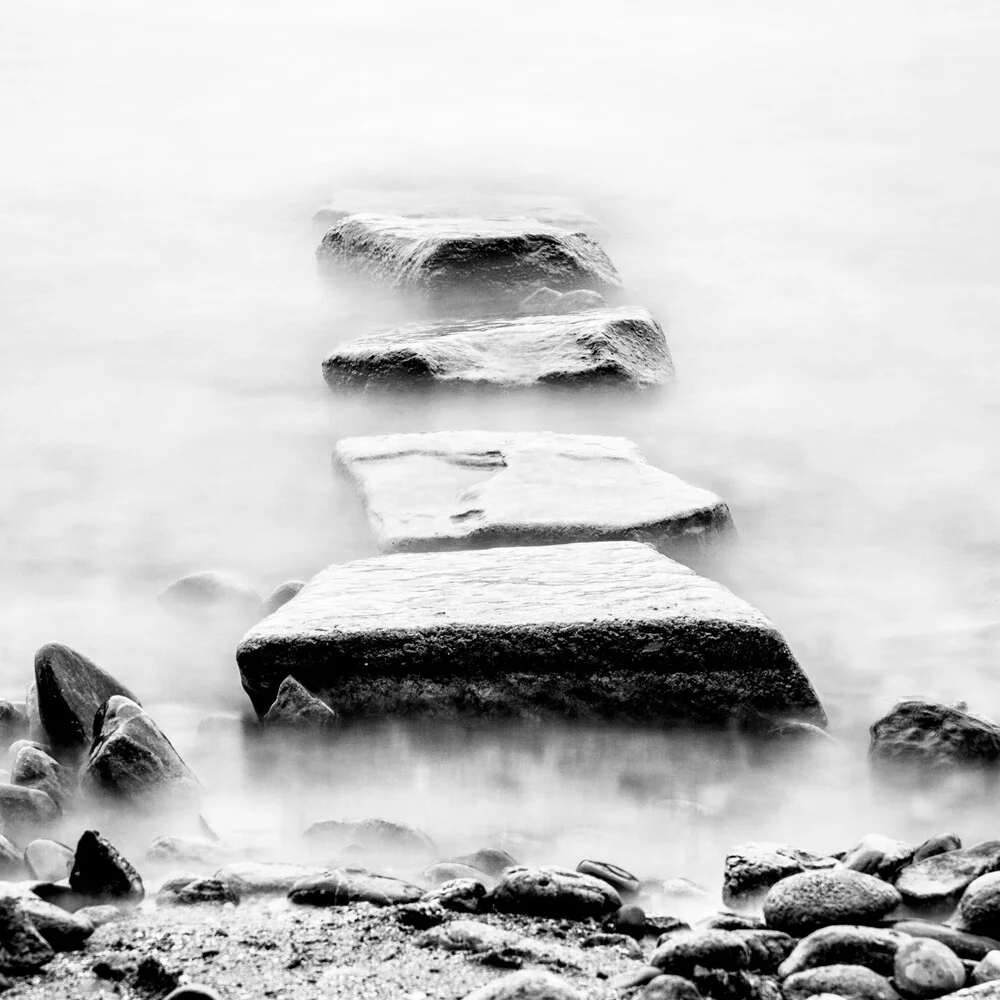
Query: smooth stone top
{"x":620,"y":346}
{"x":504,"y":625}
{"x":473,"y":489}
{"x":936,"y":882}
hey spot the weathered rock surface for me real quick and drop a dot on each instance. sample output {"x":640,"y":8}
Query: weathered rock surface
{"x":622,"y":881}
{"x":934,"y":885}
{"x":463,"y":263}
{"x":22,"y":947}
{"x":448,"y":871}
{"x":925,"y":968}
{"x":34,"y":768}
{"x":210,"y":594}
{"x":550,"y":891}
{"x":102,"y":874}
{"x":468,"y":935}
{"x":683,"y":951}
{"x":530,"y":984}
{"x":70,"y":690}
{"x":281,"y":594}
{"x":853,"y":982}
{"x":920,"y":738}
{"x":48,"y":860}
{"x":191,"y":892}
{"x":720,"y":984}
{"x":872,"y":947}
{"x":296,"y":708}
{"x":803,"y":903}
{"x":602,"y":629}
{"x":547,"y":301}
{"x":622,"y":346}
{"x":462,"y":895}
{"x":752,"y":868}
{"x":13,"y":722}
{"x":968,"y":946}
{"x":132,"y":763}
{"x":768,"y":949}
{"x":353,"y":885}
{"x":475,"y":489}
{"x":377,"y":836}
{"x":979,"y":908}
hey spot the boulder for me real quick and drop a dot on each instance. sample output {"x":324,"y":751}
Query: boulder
{"x":803,"y":903}
{"x":477,"y":489}
{"x":967,"y":946}
{"x":101,"y":874}
{"x":465,"y":263}
{"x":935,"y":884}
{"x":925,"y":969}
{"x":547,"y":301}
{"x":34,"y":768}
{"x":918,"y":738}
{"x":353,"y":885}
{"x":281,"y":594}
{"x":210,"y":594}
{"x":880,"y":856}
{"x":70,"y":690}
{"x":262,"y":878}
{"x":752,"y":868}
{"x":852,"y":982}
{"x":25,"y":812}
{"x":296,"y":708}
{"x":550,"y":891}
{"x":133,"y":765}
{"x":623,"y":346}
{"x":23,"y":950}
{"x":593,"y":630}
{"x":667,"y":987}
{"x":683,"y":951}
{"x":987,"y":969}
{"x":529,"y":984}
{"x":873,"y":947}
{"x":48,"y":860}
{"x":380,"y":837}
{"x":979,"y":908}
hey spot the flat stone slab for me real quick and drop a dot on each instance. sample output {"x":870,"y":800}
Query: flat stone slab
{"x":476,"y":489}
{"x":621,"y":346}
{"x":606,"y":630}
{"x":467,"y":262}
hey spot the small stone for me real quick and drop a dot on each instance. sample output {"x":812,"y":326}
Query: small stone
{"x":191,"y":892}
{"x":114,"y":968}
{"x":490,"y":860}
{"x":752,"y":868}
{"x":853,"y":982}
{"x":881,"y":856}
{"x":623,"y":882}
{"x":663,"y":926}
{"x":629,"y":944}
{"x":939,"y":844}
{"x":295,"y":707}
{"x":152,"y":976}
{"x":380,"y":837}
{"x":732,"y":922}
{"x":805,"y":902}
{"x":463,"y":895}
{"x":987,"y":969}
{"x":872,"y":947}
{"x":281,"y":595}
{"x":421,"y":915}
{"x":934,"y":885}
{"x":739,"y":985}
{"x":682,"y":951}
{"x":530,"y":984}
{"x":211,"y":594}
{"x":103,"y":875}
{"x":925,"y":968}
{"x":666,"y":987}
{"x":48,"y":860}
{"x":630,"y":919}
{"x":468,"y":935}
{"x":22,"y":948}
{"x":979,"y":908}
{"x":677,"y":888}
{"x":550,"y":891}
{"x":968,"y":946}
{"x":353,"y":885}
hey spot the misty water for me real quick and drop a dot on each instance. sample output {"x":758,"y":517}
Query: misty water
{"x":806,"y":195}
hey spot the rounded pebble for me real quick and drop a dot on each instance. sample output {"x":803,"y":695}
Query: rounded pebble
{"x":925,"y":968}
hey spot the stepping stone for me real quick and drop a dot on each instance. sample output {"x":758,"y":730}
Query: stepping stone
{"x":624,"y":346}
{"x":608,"y":630}
{"x":467,"y":262}
{"x":475,"y":489}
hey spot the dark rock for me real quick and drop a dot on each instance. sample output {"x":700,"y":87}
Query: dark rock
{"x":873,"y":947}
{"x":853,"y":982}
{"x":210,"y":594}
{"x":153,"y":977}
{"x":919,"y":738}
{"x":281,"y":595}
{"x":622,"y":347}
{"x":979,"y":908}
{"x":663,"y":926}
{"x":880,"y":856}
{"x":132,"y":763}
{"x":33,"y":768}
{"x":70,"y":691}
{"x":531,"y":984}
{"x":188,"y":892}
{"x":48,"y":860}
{"x":550,"y":891}
{"x":805,"y":902}
{"x":259,"y":878}
{"x":114,"y":968}
{"x":194,"y":992}
{"x":752,"y":868}
{"x":547,"y":301}
{"x":732,"y":922}
{"x":11,"y":859}
{"x":490,"y":860}
{"x":623,"y":941}
{"x":13,"y":723}
{"x":466,"y":263}
{"x":377,"y":836}
{"x":925,"y":969}
{"x":986,"y":970}
{"x":64,"y":931}
{"x":768,"y":949}
{"x":630,"y":919}
{"x":60,"y":894}
{"x":623,"y":882}
{"x":25,"y":812}
{"x":935,"y":884}
{"x":23,"y":950}
{"x":296,"y":708}
{"x":102,"y":874}
{"x":940,"y":844}
{"x":739,"y":985}
{"x":421,"y":915}
{"x":665,"y":987}
{"x":195,"y":853}
{"x":683,"y":951}
{"x":463,"y":895}
{"x":353,"y":885}
{"x":644,"y":637}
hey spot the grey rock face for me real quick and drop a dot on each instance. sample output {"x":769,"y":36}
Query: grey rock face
{"x":925,"y":968}
{"x":456,"y":263}
{"x":102,"y":874}
{"x":70,"y":690}
{"x":967,"y":946}
{"x":530,"y":984}
{"x":872,"y":947}
{"x":48,"y":860}
{"x":602,"y":629}
{"x":803,"y":903}
{"x":979,"y":908}
{"x":281,"y":594}
{"x":550,"y":891}
{"x":296,"y":708}
{"x":133,"y":764}
{"x":853,"y":982}
{"x":752,"y":868}
{"x":23,"y":950}
{"x":934,"y":885}
{"x":475,"y":489}
{"x":683,"y":951}
{"x":353,"y":885}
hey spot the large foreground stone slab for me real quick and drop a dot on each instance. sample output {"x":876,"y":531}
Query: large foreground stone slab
{"x":618,"y":346}
{"x":467,"y":262}
{"x":476,"y":489}
{"x":593,"y":630}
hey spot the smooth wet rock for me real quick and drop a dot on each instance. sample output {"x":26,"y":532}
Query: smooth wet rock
{"x":938,"y":844}
{"x":623,"y":882}
{"x":25,"y":812}
{"x":196,"y":853}
{"x":752,"y":868}
{"x":34,"y":768}
{"x":341,"y":886}
{"x":102,"y":874}
{"x":262,"y":878}
{"x":987,"y":969}
{"x":462,"y":895}
{"x":210,"y":594}
{"x":768,"y":949}
{"x":979,"y":908}
{"x":603,"y":629}
{"x":547,"y":301}
{"x":803,"y":903}
{"x":70,"y":690}
{"x":529,"y":984}
{"x":667,"y":987}
{"x":683,"y":951}
{"x":476,"y":489}
{"x":852,"y":982}
{"x":133,"y":765}
{"x":873,"y":947}
{"x":468,"y":935}
{"x":630,"y":920}
{"x":550,"y":891}
{"x":926,"y":969}
{"x":490,"y":860}
{"x":48,"y":860}
{"x":296,"y":708}
{"x":729,"y":921}
{"x":967,"y":946}
{"x":880,"y":856}
{"x":921,"y":738}
{"x":374,"y":835}
{"x":465,"y":263}
{"x":23,"y":950}
{"x":62,"y":895}
{"x":280,"y":596}
{"x":622,"y":347}
{"x":935,"y":884}
{"x":155,"y":978}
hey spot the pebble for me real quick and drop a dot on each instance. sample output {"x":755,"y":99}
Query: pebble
{"x":683,"y":950}
{"x":550,"y":891}
{"x":630,"y":945}
{"x":853,"y":982}
{"x":629,"y":920}
{"x":102,"y":874}
{"x":979,"y":908}
{"x":527,"y":985}
{"x":810,"y":900}
{"x":48,"y":860}
{"x":353,"y":885}
{"x":281,"y":595}
{"x":925,"y":968}
{"x":872,"y":947}
{"x":934,"y":885}
{"x":752,"y":868}
{"x":152,"y":976}
{"x":732,"y":922}
{"x":970,"y":946}
{"x":666,"y":987}
{"x":987,"y":969}
{"x":190,"y":892}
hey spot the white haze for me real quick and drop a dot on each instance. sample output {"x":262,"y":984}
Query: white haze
{"x":808,"y":195}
